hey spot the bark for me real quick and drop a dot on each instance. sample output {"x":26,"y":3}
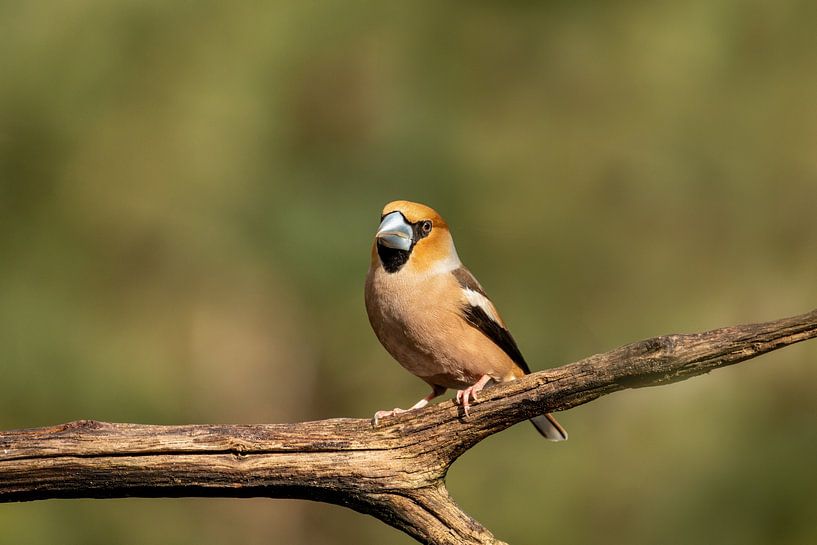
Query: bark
{"x":395,"y":471}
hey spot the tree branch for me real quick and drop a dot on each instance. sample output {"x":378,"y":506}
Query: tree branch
{"x":395,"y":472}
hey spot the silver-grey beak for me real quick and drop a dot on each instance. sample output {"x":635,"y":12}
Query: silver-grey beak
{"x":394,"y":232}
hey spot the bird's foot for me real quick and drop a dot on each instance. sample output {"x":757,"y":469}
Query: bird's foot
{"x":383,"y":414}
{"x":464,"y":397}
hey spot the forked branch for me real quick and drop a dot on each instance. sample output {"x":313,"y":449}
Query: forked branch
{"x":395,"y":472}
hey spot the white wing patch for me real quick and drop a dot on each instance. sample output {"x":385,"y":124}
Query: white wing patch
{"x":476,"y":299}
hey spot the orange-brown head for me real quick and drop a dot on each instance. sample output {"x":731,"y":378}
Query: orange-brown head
{"x":413,"y":236}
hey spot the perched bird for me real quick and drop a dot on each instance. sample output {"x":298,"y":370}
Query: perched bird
{"x":432,"y":315}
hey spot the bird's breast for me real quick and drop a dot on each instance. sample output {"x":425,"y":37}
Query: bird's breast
{"x":419,"y":322}
{"x":411,"y":319}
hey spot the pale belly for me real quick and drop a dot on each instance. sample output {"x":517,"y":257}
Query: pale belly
{"x":424,"y":332}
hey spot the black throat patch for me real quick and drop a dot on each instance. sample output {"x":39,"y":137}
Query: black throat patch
{"x":393,"y":259}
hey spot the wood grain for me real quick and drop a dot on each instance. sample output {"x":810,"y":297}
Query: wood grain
{"x":395,"y":472}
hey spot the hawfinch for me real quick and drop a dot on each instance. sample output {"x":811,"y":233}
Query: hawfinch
{"x":432,"y":315}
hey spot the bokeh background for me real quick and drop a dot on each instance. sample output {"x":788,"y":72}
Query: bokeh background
{"x":188,"y":192}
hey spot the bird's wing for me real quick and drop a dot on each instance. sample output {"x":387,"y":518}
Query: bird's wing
{"x":480,"y":313}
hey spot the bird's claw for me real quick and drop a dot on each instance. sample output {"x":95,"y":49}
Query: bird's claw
{"x":464,"y":397}
{"x":382,"y":414}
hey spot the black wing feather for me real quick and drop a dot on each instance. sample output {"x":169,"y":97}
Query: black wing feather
{"x":498,"y":334}
{"x":477,"y":317}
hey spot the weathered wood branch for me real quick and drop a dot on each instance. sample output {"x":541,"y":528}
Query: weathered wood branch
{"x":395,"y":472}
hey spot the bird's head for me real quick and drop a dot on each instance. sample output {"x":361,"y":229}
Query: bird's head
{"x":413,"y":236}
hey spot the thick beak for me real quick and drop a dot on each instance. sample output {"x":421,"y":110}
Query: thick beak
{"x":394,"y":232}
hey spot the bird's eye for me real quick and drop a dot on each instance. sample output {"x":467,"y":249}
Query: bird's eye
{"x":426,"y":227}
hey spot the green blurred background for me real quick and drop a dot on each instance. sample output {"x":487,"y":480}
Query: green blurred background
{"x":188,"y":192}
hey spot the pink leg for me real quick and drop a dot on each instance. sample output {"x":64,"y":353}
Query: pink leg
{"x":465,"y":396}
{"x":435,"y":391}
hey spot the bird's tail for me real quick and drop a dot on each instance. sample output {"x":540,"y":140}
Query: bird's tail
{"x":549,"y":427}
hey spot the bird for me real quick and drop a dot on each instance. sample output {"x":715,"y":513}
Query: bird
{"x":433,"y":316}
